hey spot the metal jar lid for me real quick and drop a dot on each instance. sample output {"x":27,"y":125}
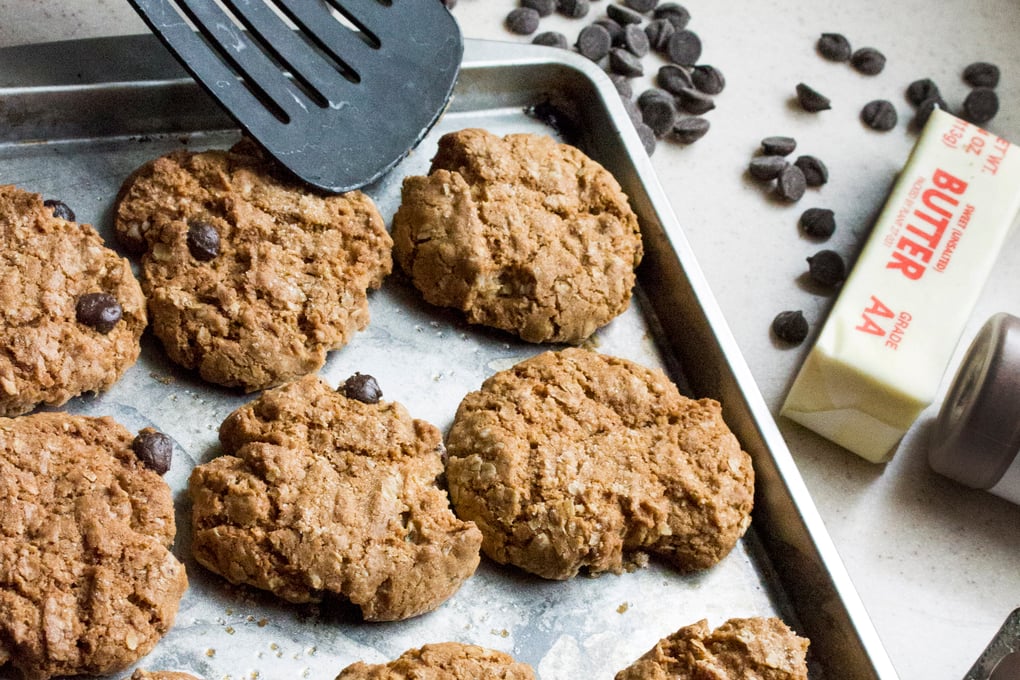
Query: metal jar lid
{"x":977,"y":432}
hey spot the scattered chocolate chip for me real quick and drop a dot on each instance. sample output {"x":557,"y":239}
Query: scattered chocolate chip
{"x":522,"y":21}
{"x":811,"y":100}
{"x":778,"y":145}
{"x":834,"y":47}
{"x":647,"y":137}
{"x":879,"y":114}
{"x":827,"y":268}
{"x":981,"y":105}
{"x":622,"y":85}
{"x":658,"y":110}
{"x":614,"y":28}
{"x":695,"y":102}
{"x":815,"y":172}
{"x":674,"y":13}
{"x":708,"y":79}
{"x":658,"y":32}
{"x":543,"y":7}
{"x":925,"y":108}
{"x":624,"y":15}
{"x":154,"y":450}
{"x":633,"y":112}
{"x":791,"y":183}
{"x":203,"y":240}
{"x":643,"y":6}
{"x":766,"y":167}
{"x":362,"y":387}
{"x":575,"y":9}
{"x":99,"y":311}
{"x":551,"y":39}
{"x":684,"y":47}
{"x":626,"y":64}
{"x":818,"y":223}
{"x":635,"y":40}
{"x":921,"y":89}
{"x":868,"y":60}
{"x":690,"y":129}
{"x":593,"y":42}
{"x":790,"y":327}
{"x":60,"y":209}
{"x":981,"y":74}
{"x":673,"y":79}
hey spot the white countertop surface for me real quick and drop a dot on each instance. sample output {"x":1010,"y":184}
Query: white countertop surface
{"x":937,"y":565}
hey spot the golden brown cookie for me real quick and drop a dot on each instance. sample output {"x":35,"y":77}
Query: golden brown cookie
{"x":576,"y":460}
{"x":320,"y":494}
{"x":520,"y":233}
{"x":71,"y":312}
{"x":87,"y":581}
{"x":160,"y":675}
{"x":740,"y":649}
{"x":250,"y":279}
{"x":443,"y":661}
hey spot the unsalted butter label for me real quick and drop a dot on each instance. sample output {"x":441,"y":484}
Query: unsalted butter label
{"x":882,"y":352}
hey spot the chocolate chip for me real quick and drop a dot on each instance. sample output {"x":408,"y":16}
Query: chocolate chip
{"x":981,"y":74}
{"x":575,"y":9}
{"x":622,"y":85}
{"x":834,"y":47}
{"x":658,"y":110}
{"x":593,"y":42}
{"x":658,"y":32}
{"x":880,"y":115}
{"x":921,"y":89}
{"x":624,"y":15}
{"x":868,"y":60}
{"x":154,"y":450}
{"x":981,"y":105}
{"x":522,"y":21}
{"x":551,"y":39}
{"x":643,"y":6}
{"x":925,"y":108}
{"x":614,"y":28}
{"x":626,"y":64}
{"x":633,"y":112}
{"x":778,"y":145}
{"x":690,"y":129}
{"x":203,"y":240}
{"x":543,"y":7}
{"x":811,"y":100}
{"x":827,"y":268}
{"x":684,"y":47}
{"x":708,"y":79}
{"x":673,"y":79}
{"x":695,"y":102}
{"x":674,"y":13}
{"x":647,"y":137}
{"x":635,"y":41}
{"x":790,"y":327}
{"x":60,"y":209}
{"x":99,"y":311}
{"x":815,"y":172}
{"x":791,"y":183}
{"x":362,"y":387}
{"x":818,"y":223}
{"x":766,"y":167}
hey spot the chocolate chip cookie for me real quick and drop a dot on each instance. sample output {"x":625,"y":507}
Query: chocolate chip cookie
{"x":71,"y":311}
{"x":320,"y":494}
{"x":740,"y":649}
{"x":88,"y":584}
{"x":520,"y":233}
{"x":250,"y":279}
{"x":443,"y":661}
{"x":576,"y":460}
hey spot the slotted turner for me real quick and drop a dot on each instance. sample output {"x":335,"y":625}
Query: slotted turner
{"x":338,"y":91}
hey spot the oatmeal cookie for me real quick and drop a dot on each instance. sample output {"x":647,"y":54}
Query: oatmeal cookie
{"x":740,"y":649}
{"x":250,"y":279}
{"x":320,"y":494}
{"x":520,"y":233}
{"x":576,"y":460}
{"x":88,"y":584}
{"x":443,"y":661}
{"x":71,"y":311}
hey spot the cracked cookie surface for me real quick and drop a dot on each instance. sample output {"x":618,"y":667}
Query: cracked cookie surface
{"x":520,"y":233}
{"x":575,"y":460}
{"x":250,"y":279}
{"x":758,"y":648}
{"x":443,"y":661}
{"x":47,"y":264}
{"x":320,"y":495}
{"x":88,"y":584}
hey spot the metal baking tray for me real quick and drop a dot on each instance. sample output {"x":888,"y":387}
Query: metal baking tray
{"x":77,"y":117}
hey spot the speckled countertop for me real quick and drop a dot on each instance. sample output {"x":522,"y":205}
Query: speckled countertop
{"x":937,"y":565}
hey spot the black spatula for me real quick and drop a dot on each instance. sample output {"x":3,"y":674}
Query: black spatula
{"x":338,"y":91}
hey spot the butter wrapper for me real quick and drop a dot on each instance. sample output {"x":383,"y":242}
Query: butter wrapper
{"x":882,"y":352}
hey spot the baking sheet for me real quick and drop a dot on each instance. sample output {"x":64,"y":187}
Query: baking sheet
{"x":77,"y":118}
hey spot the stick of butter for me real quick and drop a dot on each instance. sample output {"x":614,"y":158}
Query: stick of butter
{"x":881,"y":354}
